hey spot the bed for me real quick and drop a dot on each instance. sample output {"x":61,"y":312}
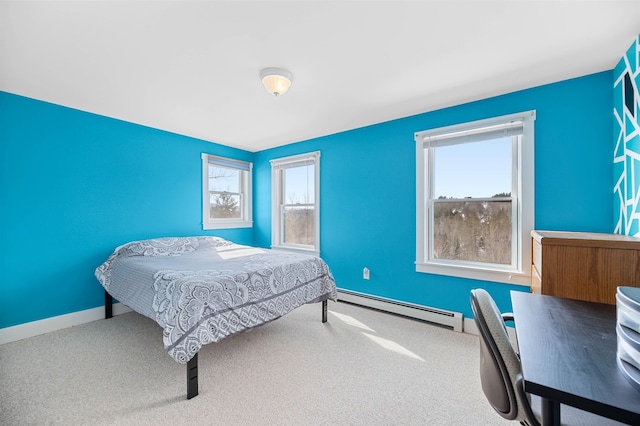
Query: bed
{"x":202,"y":289}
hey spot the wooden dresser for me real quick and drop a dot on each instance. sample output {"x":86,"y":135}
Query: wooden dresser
{"x":584,"y":266}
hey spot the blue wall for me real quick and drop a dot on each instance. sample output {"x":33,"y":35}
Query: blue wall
{"x":75,"y":185}
{"x":367,"y":187}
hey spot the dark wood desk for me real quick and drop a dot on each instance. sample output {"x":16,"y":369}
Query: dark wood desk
{"x":568,"y":356}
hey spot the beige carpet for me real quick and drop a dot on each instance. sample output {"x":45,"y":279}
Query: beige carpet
{"x":363,"y":367}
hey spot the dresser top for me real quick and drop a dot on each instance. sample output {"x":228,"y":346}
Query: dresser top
{"x":586,"y":239}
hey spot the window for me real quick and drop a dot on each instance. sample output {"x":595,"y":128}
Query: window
{"x":475,"y":199}
{"x":226,"y":193}
{"x":296,"y":211}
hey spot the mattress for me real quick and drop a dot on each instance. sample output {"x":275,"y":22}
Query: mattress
{"x":202,"y":289}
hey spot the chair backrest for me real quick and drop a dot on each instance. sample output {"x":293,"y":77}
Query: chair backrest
{"x":500,"y":370}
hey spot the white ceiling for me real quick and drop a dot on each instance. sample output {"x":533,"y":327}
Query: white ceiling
{"x":191,"y":67}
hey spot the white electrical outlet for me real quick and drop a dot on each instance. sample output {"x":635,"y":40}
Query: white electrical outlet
{"x":365,"y":273}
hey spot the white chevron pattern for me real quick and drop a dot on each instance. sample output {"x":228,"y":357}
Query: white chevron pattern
{"x":626,"y":155}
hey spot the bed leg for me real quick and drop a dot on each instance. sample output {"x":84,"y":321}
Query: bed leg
{"x":192,"y":377}
{"x":108,"y":305}
{"x":324,"y":310}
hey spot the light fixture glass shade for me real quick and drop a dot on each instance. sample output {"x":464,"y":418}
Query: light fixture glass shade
{"x":276,"y":80}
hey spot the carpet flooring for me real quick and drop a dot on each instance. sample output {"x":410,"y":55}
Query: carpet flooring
{"x":363,"y":367}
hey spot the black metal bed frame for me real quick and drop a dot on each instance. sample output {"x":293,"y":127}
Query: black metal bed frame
{"x":192,"y":365}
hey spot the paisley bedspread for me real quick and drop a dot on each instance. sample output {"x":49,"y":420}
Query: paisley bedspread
{"x":203,"y":289}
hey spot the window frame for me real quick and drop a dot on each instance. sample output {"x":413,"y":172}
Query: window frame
{"x":522,"y":195}
{"x":246,"y":197}
{"x":278,"y":190}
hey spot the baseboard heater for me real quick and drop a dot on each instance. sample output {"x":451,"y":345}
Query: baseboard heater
{"x":439,"y":317}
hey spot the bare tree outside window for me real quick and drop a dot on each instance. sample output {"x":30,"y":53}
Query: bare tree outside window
{"x":298,"y":215}
{"x":477,"y":231}
{"x":225,"y":205}
{"x":224,"y":190}
{"x":299,"y":225}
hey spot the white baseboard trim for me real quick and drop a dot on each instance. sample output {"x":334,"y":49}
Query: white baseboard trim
{"x":448,"y":319}
{"x":47,"y":325}
{"x":470,"y":326}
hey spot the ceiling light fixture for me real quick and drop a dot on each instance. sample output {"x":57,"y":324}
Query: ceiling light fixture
{"x":276,"y":80}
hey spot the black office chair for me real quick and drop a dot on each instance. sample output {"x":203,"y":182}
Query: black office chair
{"x":501,"y":373}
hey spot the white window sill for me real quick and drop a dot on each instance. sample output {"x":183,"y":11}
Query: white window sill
{"x":297,"y":249}
{"x":227,"y":224}
{"x":507,"y":277}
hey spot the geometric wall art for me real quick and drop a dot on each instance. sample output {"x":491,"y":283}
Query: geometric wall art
{"x":626,"y":135}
